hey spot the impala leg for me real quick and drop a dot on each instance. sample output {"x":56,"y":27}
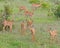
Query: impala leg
{"x":52,"y":39}
{"x":22,"y":31}
{"x":4,"y":28}
{"x":10,"y":28}
{"x":33,"y":37}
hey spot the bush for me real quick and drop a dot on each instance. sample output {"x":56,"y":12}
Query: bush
{"x":34,"y":1}
{"x":45,"y":5}
{"x":57,"y":12}
{"x":1,"y":0}
{"x":7,"y":10}
{"x":1,"y":20}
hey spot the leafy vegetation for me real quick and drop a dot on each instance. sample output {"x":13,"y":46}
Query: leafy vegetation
{"x":34,"y":1}
{"x":1,"y":19}
{"x":8,"y":11}
{"x":46,"y":5}
{"x":57,"y":12}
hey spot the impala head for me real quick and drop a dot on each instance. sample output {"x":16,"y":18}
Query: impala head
{"x":23,"y":8}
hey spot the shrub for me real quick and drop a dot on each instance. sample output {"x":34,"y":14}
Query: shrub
{"x":34,"y":1}
{"x":57,"y":12}
{"x":1,"y":19}
{"x":45,"y":5}
{"x":1,"y":0}
{"x":8,"y":11}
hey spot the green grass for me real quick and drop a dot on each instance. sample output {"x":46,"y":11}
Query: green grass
{"x":16,"y":40}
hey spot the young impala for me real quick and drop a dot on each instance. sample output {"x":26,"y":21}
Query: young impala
{"x":53,"y":34}
{"x":7,"y":23}
{"x":35,"y":6}
{"x":32,"y":29}
{"x":23,"y":27}
{"x":28,"y":13}
{"x":29,"y":23}
{"x":22,"y":8}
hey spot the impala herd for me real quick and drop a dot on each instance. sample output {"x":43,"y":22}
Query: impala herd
{"x":25,"y":25}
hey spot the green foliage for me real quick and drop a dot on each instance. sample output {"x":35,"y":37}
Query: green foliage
{"x":57,"y":12}
{"x":55,"y":1}
{"x":45,"y":5}
{"x":1,"y":19}
{"x":8,"y":11}
{"x":1,"y":0}
{"x":34,"y":1}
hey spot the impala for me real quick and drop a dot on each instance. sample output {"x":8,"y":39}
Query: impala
{"x":23,"y":27}
{"x":22,"y":8}
{"x":32,"y":29}
{"x":28,"y":13}
{"x":7,"y":23}
{"x":35,"y":6}
{"x":29,"y":23}
{"x":53,"y":34}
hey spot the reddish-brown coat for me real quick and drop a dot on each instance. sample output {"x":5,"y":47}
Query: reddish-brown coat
{"x":7,"y":23}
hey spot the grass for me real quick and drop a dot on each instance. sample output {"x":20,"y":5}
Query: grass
{"x":16,"y":40}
